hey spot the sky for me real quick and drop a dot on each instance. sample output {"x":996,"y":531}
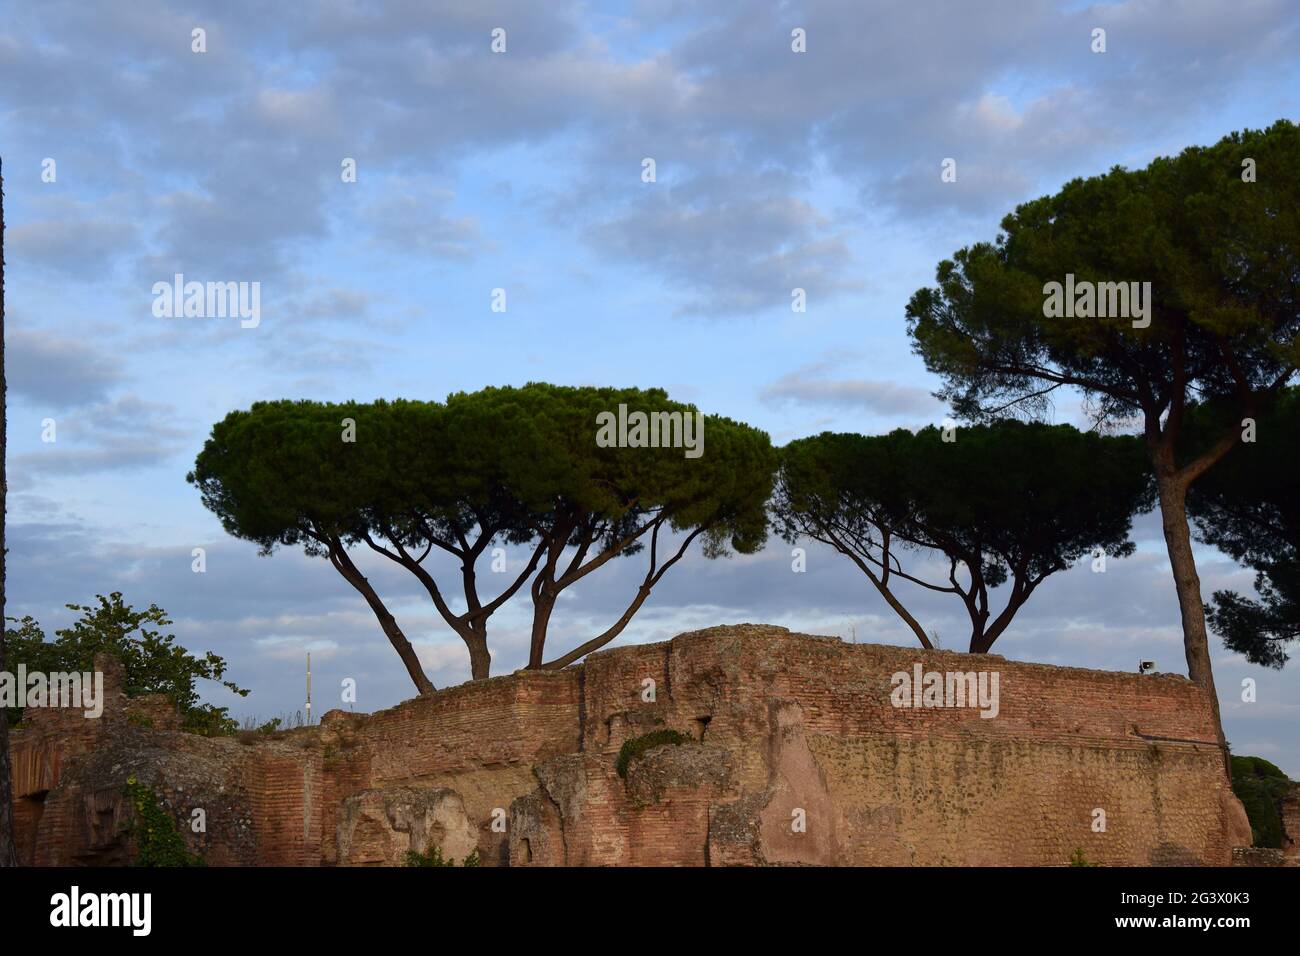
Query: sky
{"x":522,"y":170}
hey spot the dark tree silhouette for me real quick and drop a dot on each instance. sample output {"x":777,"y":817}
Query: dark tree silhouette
{"x":1221,"y":251}
{"x":503,"y":465}
{"x":281,"y":473}
{"x":1249,"y":506}
{"x":1006,"y":503}
{"x":586,"y":504}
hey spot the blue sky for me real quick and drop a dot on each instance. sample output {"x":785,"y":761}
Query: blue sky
{"x":522,"y":171}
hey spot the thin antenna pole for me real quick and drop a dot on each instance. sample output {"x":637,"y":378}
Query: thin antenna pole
{"x":309,"y":687}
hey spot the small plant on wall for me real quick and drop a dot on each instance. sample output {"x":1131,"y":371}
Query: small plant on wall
{"x":158,"y":841}
{"x":433,"y":857}
{"x":636,"y":748}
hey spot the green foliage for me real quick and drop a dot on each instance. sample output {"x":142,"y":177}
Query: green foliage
{"x":608,"y":502}
{"x":1248,"y":505}
{"x":25,"y":644}
{"x":433,"y":857}
{"x":153,"y":661}
{"x":1078,"y":859}
{"x":502,"y":465}
{"x":208,"y":721}
{"x":1221,"y":256}
{"x":1004,"y":502}
{"x":636,"y":747}
{"x":158,"y":841}
{"x":553,"y":467}
{"x":1261,"y":786}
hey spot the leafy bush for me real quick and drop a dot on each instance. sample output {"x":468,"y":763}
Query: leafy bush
{"x":1078,"y":859}
{"x":154,"y":663}
{"x":636,"y":748}
{"x":1260,"y":786}
{"x":433,"y":857}
{"x":158,"y":841}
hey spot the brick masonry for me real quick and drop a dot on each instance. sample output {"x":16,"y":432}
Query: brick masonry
{"x":796,"y":755}
{"x":1291,"y":824}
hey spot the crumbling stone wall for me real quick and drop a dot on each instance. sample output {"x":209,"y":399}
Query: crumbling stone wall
{"x":822,"y":768}
{"x":795,"y":755}
{"x":378,"y":827}
{"x":481,"y":739}
{"x":1291,"y":827}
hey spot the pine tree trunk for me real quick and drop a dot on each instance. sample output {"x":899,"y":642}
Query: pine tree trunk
{"x":8,"y":852}
{"x":1196,"y":643}
{"x":387,"y":623}
{"x":543,"y":605}
{"x":480,"y":660}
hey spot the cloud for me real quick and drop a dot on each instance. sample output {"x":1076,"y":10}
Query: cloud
{"x":240,"y":148}
{"x":810,"y":385}
{"x":329,"y":303}
{"x":72,"y":245}
{"x":124,"y":434}
{"x":731,"y":246}
{"x":413,"y":222}
{"x":56,"y":372}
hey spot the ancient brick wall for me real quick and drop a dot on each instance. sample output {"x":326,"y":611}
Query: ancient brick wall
{"x":480,"y":739}
{"x":1291,"y":827}
{"x":71,"y":774}
{"x":285,"y":802}
{"x":522,"y":717}
{"x":49,"y":738}
{"x":796,"y":753}
{"x":822,"y":768}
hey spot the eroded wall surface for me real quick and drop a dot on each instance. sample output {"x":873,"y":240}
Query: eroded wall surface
{"x":795,"y":753}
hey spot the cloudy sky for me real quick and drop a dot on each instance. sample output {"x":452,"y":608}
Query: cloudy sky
{"x":522,"y":171}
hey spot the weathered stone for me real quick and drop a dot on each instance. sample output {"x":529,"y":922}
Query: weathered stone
{"x":1257,"y":856}
{"x":1291,"y":827}
{"x":536,"y":837}
{"x":379,"y":827}
{"x":796,"y":755}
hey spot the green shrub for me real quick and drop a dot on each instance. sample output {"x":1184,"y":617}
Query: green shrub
{"x":1260,"y":786}
{"x":1078,"y":859}
{"x":208,"y":720}
{"x":636,"y":748}
{"x":433,"y":857}
{"x":270,"y":727}
{"x":153,"y":662}
{"x":158,"y":841}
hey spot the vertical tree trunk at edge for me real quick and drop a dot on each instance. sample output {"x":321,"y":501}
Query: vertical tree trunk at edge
{"x":1196,"y":643}
{"x":8,"y":852}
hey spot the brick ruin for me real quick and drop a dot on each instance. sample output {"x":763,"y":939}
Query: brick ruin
{"x":795,"y":756}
